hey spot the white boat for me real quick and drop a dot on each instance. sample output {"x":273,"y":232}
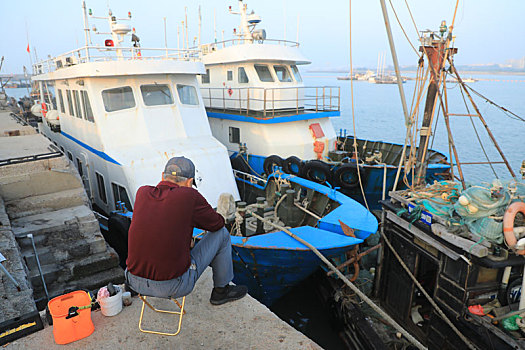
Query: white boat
{"x":257,"y":102}
{"x":122,"y":112}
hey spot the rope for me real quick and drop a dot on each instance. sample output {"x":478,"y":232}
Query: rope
{"x":353,"y":112}
{"x":429,"y":298}
{"x":505,"y":110}
{"x":403,"y":29}
{"x":349,"y":284}
{"x":476,"y":132}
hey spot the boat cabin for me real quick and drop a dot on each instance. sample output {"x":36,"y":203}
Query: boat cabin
{"x":120,"y":113}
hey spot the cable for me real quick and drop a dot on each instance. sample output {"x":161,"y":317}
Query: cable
{"x":353,"y":112}
{"x":403,"y":29}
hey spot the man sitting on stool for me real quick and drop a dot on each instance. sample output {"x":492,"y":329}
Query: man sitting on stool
{"x":160,"y":260}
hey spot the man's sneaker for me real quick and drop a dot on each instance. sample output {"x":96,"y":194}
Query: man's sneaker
{"x":228,"y":293}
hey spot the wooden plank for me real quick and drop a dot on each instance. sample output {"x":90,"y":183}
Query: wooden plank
{"x":422,"y":235}
{"x":467,"y":245}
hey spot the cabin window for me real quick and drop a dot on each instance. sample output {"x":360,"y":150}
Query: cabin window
{"x":62,"y":149}
{"x":242,"y":77}
{"x":117,"y":99}
{"x":187,"y":94}
{"x":77,"y":104}
{"x":79,"y":167}
{"x":70,"y":156}
{"x":156,"y":94}
{"x":69,"y":103}
{"x":283,"y":74}
{"x":229,"y":75}
{"x":205,"y":78}
{"x":61,"y":101}
{"x":263,"y":72}
{"x":120,"y":195}
{"x":101,"y":188}
{"x":234,"y":135}
{"x":88,"y":113}
{"x":296,"y":74}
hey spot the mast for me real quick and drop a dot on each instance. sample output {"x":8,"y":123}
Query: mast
{"x":436,"y":49}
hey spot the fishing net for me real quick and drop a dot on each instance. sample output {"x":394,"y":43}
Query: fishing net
{"x":479,"y":208}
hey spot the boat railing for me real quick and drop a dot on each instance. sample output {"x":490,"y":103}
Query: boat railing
{"x":107,"y":53}
{"x":211,"y":47}
{"x":272,"y":102}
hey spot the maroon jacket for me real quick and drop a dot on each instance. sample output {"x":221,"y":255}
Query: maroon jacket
{"x":161,"y":229}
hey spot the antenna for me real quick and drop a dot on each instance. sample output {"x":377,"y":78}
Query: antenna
{"x":215,"y":24}
{"x":200,"y":25}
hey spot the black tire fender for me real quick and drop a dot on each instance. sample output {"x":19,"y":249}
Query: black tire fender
{"x":271,"y":162}
{"x":317,"y":171}
{"x":293,"y":165}
{"x":346,"y":177}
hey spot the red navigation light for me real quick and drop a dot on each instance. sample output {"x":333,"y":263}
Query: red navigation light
{"x":133,"y":29}
{"x":230,"y":8}
{"x":109,"y":42}
{"x":234,"y":30}
{"x":129,"y":14}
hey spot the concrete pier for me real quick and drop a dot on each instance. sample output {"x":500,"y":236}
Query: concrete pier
{"x":242,"y":324}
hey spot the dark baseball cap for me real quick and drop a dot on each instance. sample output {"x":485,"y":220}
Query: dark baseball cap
{"x":180,"y":166}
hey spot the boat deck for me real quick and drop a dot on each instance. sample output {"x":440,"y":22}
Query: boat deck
{"x":243,"y":324}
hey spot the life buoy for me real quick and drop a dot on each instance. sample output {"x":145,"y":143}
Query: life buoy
{"x":293,"y":165}
{"x":508,"y":224}
{"x":346,"y":176}
{"x":317,"y":171}
{"x":44,"y":109}
{"x":230,"y":91}
{"x":271,"y":162}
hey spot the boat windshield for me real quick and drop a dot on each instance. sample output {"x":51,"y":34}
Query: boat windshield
{"x":296,"y":74}
{"x":156,"y":94}
{"x":118,"y":98}
{"x":187,"y":94}
{"x":283,"y":74}
{"x":263,"y":72}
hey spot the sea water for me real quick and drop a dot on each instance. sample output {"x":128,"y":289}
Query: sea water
{"x":379,"y":116}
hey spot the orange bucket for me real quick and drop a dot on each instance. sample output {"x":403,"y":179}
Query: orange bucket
{"x":70,"y":325}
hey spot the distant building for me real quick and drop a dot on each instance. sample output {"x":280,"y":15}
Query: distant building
{"x":516,"y":64}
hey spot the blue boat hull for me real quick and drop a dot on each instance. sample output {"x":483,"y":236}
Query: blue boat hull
{"x":270,"y":273}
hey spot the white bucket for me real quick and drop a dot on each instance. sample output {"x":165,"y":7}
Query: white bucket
{"x":111,"y":306}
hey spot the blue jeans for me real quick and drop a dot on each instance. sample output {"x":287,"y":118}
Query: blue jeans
{"x":214,"y":250}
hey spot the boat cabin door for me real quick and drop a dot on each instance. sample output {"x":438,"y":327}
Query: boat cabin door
{"x":85,"y":173}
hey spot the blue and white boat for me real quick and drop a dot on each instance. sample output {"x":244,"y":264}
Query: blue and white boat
{"x":259,"y":107}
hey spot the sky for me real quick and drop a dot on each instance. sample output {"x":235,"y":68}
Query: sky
{"x":486,"y":31}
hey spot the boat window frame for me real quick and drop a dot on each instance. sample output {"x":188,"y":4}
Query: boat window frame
{"x":243,"y":74}
{"x":76,"y":98}
{"x":101,"y":189}
{"x":157,"y":85}
{"x":80,"y":168}
{"x":105,"y":91}
{"x":196,"y":95}
{"x":269,"y":71}
{"x":70,"y":155}
{"x":296,"y":73}
{"x":86,"y":105}
{"x":205,"y":78}
{"x":61,"y":101}
{"x":229,"y":75}
{"x":274,"y":66}
{"x":69,"y":103}
{"x":115,"y":199}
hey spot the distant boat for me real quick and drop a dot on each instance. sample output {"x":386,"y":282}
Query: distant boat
{"x":346,"y":77}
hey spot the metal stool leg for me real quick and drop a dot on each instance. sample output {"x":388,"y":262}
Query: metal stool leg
{"x":180,"y":313}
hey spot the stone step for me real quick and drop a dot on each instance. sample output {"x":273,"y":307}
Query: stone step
{"x":53,"y":221}
{"x":64,"y":253}
{"x":45,"y":203}
{"x":42,"y":181}
{"x":62,"y":274}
